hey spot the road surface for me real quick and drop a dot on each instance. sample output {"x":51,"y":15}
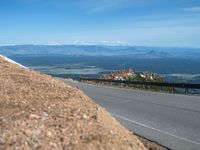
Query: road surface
{"x":170,"y":119}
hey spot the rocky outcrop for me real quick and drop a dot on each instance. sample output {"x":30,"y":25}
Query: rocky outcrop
{"x":129,"y":74}
{"x":40,"y":112}
{"x":118,"y":75}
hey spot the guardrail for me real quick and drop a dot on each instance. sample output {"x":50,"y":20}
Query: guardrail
{"x":185,"y":86}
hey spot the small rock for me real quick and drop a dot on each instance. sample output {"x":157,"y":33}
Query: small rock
{"x":53,"y":144}
{"x":33,"y":144}
{"x":28,"y":133}
{"x":33,"y":109}
{"x":3,"y":120}
{"x":36,"y":132}
{"x":85,"y":116}
{"x":2,"y":141}
{"x":44,"y":116}
{"x":34,"y":116}
{"x":49,"y":134}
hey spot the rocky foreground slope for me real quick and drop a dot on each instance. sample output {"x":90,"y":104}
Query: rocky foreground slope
{"x":40,"y":112}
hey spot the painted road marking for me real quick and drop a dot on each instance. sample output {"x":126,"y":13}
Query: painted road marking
{"x":152,"y":128}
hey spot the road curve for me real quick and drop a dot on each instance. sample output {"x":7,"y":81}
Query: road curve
{"x":170,"y":119}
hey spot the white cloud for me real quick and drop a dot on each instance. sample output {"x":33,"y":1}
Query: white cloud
{"x":101,"y":42}
{"x":193,"y":9}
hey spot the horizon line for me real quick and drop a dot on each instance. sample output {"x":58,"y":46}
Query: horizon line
{"x":98,"y":44}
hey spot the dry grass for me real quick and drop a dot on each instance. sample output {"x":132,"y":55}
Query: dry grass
{"x":39,"y":112}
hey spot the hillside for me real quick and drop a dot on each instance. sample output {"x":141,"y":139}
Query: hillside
{"x":40,"y":112}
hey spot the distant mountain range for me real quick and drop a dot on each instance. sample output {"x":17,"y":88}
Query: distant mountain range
{"x":100,"y":50}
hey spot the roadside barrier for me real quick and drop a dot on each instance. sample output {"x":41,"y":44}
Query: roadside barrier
{"x":143,"y":85}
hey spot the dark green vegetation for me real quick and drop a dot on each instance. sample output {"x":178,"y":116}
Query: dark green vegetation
{"x":137,"y":77}
{"x":152,"y":88}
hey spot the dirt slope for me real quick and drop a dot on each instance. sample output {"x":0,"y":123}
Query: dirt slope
{"x":39,"y":112}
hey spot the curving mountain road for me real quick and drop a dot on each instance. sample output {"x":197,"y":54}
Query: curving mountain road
{"x":170,"y":119}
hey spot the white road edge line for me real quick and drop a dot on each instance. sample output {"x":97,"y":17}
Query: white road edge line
{"x":152,"y":128}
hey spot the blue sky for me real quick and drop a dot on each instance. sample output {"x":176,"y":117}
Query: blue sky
{"x":125,"y":22}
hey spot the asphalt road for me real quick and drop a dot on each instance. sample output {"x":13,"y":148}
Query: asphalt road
{"x":170,"y":119}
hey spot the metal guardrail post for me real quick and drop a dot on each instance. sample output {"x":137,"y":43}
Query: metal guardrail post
{"x":172,"y":89}
{"x":161,"y":88}
{"x":186,"y":91}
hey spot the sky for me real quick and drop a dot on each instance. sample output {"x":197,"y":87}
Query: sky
{"x":167,"y":23}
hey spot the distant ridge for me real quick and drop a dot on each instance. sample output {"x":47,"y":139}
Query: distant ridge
{"x":100,"y":50}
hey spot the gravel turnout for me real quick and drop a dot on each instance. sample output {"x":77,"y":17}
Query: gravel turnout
{"x":40,"y":112}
